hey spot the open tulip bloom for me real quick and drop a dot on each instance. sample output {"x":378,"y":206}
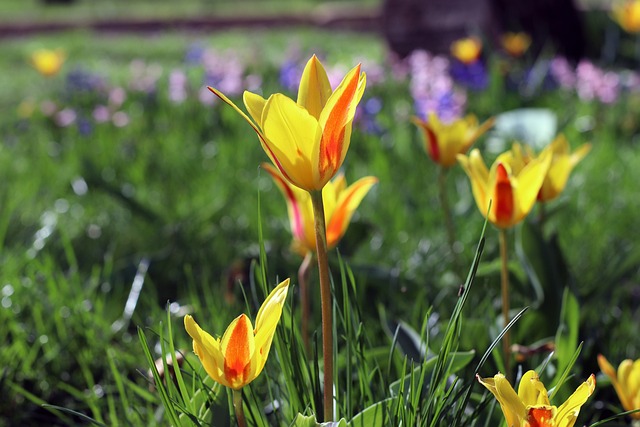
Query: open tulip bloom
{"x":626,"y":382}
{"x":444,"y":141}
{"x":307,"y":139}
{"x":530,"y":407}
{"x":239,"y":356}
{"x":340,"y":203}
{"x":511,"y":184}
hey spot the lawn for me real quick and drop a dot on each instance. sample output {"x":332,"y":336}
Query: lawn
{"x":133,"y":196}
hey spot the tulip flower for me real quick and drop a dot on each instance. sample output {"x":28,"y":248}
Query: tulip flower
{"x":240,"y":355}
{"x":306,"y":140}
{"x":626,"y":382}
{"x":562,"y":162}
{"x":466,"y":50}
{"x":531,"y":407}
{"x":505,"y":195}
{"x":515,"y":44}
{"x":627,"y":15}
{"x":340,"y":203}
{"x":511,"y":184}
{"x":443,"y":141}
{"x":48,"y":62}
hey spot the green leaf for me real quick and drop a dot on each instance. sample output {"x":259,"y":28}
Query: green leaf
{"x":376,"y":415}
{"x":310,"y":421}
{"x":567,"y":335}
{"x":546,"y":270}
{"x":458,"y":360}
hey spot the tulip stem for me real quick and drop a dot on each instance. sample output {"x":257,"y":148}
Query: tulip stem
{"x":237,"y":406}
{"x":448,"y":219}
{"x":325,"y":297}
{"x":504,"y":284}
{"x":303,"y":276}
{"x":542,"y":213}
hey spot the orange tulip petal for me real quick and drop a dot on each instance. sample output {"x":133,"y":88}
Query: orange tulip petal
{"x":330,"y":155}
{"x":540,"y":417}
{"x":346,"y":207}
{"x":237,"y":346}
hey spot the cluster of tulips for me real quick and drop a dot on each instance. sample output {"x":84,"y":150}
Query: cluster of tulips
{"x":307,"y":141}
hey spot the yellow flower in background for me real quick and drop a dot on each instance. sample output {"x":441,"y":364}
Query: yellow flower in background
{"x":240,"y":355}
{"x":511,"y":185}
{"x":531,"y":407}
{"x":515,"y":44}
{"x":627,"y":15}
{"x":340,"y":203}
{"x":48,"y":62}
{"x":562,"y":163}
{"x":306,"y":140}
{"x":443,"y":141}
{"x":467,"y":50}
{"x":626,"y":382}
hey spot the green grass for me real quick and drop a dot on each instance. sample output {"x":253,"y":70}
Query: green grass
{"x":179,"y":187}
{"x":86,"y":10}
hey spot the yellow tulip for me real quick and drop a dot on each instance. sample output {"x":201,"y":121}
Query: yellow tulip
{"x":562,"y":162}
{"x":443,"y":141}
{"x":48,"y":62}
{"x":340,"y":203}
{"x":306,"y":140}
{"x":627,"y":15}
{"x":626,"y":382}
{"x":530,"y":407}
{"x":515,"y":44}
{"x":467,"y":50}
{"x":511,"y":185}
{"x":240,"y":355}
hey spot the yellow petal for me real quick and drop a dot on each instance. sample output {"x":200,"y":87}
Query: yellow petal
{"x":255,"y":106}
{"x":346,"y":205}
{"x":478,"y":174}
{"x":556,"y":178}
{"x":531,"y":390}
{"x":569,"y":410}
{"x":294,"y":138}
{"x":208,"y":350}
{"x":512,"y":408}
{"x":315,"y":88}
{"x":580,"y":153}
{"x":238,"y":348}
{"x":528,"y":184}
{"x":267,"y":320}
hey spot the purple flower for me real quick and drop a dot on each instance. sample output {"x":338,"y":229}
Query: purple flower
{"x":177,"y":86}
{"x":473,"y":75}
{"x":563,"y":72}
{"x":432,"y":87}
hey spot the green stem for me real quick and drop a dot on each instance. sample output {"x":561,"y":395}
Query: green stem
{"x":446,"y":211}
{"x":542,"y":213}
{"x":504,"y":285}
{"x":325,"y":297}
{"x":303,"y":275}
{"x":237,"y":406}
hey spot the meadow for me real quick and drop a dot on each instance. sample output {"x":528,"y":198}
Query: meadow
{"x":133,"y":196}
